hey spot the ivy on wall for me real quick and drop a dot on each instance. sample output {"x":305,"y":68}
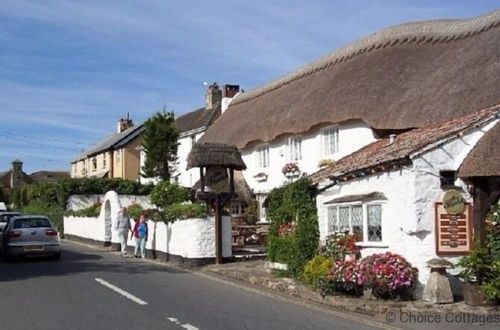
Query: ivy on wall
{"x":294,"y":203}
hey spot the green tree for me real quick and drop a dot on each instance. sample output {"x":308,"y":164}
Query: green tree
{"x":160,"y":145}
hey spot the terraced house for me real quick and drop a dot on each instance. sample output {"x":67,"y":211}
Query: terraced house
{"x":115,"y":156}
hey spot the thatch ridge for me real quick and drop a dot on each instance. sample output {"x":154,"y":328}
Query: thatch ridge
{"x":395,"y":87}
{"x":434,"y":31}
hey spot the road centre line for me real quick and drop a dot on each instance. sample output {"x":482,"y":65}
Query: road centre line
{"x":185,"y":326}
{"x":122,"y":292}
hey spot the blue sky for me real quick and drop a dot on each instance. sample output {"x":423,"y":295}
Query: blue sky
{"x":70,"y":69}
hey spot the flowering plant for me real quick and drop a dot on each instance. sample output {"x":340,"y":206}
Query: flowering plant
{"x":386,"y":272}
{"x":290,"y":168}
{"x":338,"y":245}
{"x":345,"y":273}
{"x":287,"y":229}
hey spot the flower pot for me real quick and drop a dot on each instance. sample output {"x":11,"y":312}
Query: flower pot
{"x":473,"y":295}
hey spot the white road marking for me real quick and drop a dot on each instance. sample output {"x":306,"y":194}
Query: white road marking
{"x":174,"y":320}
{"x":122,"y":292}
{"x":185,"y":326}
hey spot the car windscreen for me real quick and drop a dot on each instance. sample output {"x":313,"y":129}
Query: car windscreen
{"x":7,"y":216}
{"x":31,"y":223}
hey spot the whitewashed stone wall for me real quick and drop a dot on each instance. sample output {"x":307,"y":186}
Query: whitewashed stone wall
{"x":78,"y":202}
{"x":408,"y":214}
{"x":190,"y":238}
{"x":352,"y":137}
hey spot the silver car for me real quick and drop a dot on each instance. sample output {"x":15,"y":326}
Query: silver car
{"x":30,"y":235}
{"x":4,"y":218}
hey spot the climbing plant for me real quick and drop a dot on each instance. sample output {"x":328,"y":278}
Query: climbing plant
{"x":293,"y":233}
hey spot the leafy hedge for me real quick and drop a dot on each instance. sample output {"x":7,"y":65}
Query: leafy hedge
{"x":92,"y":211}
{"x":295,"y":202}
{"x":54,"y":212}
{"x":177,"y":211}
{"x":58,"y":192}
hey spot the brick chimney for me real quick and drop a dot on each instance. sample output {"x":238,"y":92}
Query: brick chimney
{"x":230,"y":90}
{"x":228,"y":93}
{"x":213,"y":96}
{"x":16,"y":177}
{"x":124,"y":123}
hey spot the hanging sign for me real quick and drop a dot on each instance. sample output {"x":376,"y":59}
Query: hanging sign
{"x":453,"y":225}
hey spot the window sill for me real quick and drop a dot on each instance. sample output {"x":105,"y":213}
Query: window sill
{"x":372,"y":245}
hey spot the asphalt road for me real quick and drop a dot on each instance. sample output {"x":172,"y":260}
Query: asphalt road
{"x":93,"y":289}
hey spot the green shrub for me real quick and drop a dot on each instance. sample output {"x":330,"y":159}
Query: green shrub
{"x":92,"y":211}
{"x":181,"y":211}
{"x":135,"y":211}
{"x":316,"y":271}
{"x":54,"y":212}
{"x":165,"y":194}
{"x":295,"y":202}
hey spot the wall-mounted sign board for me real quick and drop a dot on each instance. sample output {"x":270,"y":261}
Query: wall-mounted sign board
{"x":453,"y":230}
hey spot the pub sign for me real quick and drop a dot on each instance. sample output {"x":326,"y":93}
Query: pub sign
{"x":453,"y":225}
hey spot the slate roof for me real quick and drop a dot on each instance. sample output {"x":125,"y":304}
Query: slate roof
{"x":198,"y":118}
{"x":406,"y":76}
{"x":49,"y":175}
{"x":114,"y":140}
{"x":383,"y":155}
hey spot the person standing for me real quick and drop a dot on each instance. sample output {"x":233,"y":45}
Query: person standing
{"x":140,"y":233}
{"x":122,"y":227}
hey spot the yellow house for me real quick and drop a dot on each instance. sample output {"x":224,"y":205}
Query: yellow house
{"x":115,"y":156}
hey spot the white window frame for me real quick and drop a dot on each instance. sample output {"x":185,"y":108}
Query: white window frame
{"x":262,"y":156}
{"x":365,"y":242}
{"x":295,"y":148}
{"x":327,"y":150}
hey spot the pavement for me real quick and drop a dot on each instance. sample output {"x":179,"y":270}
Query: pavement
{"x":258,"y":274}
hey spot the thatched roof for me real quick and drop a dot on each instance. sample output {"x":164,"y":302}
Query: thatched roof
{"x":210,"y":154}
{"x":383,"y":155}
{"x":407,"y":76}
{"x":484,"y":158}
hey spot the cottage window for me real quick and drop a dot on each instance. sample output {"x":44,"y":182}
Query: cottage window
{"x":295,"y":148}
{"x":104,"y":161}
{"x":362,"y":219}
{"x":263,"y":157}
{"x":94,"y":164}
{"x":330,"y":141}
{"x":117,"y":156}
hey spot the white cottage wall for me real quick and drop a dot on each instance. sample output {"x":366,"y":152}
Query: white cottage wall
{"x":408,"y":213}
{"x":352,"y":136}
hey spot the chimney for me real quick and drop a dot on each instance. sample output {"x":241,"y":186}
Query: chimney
{"x":230,"y":90}
{"x":228,"y":93}
{"x":213,"y":96}
{"x":124,"y":123}
{"x":16,"y":178}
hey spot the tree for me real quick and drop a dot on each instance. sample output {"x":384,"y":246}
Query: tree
{"x":160,"y":145}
